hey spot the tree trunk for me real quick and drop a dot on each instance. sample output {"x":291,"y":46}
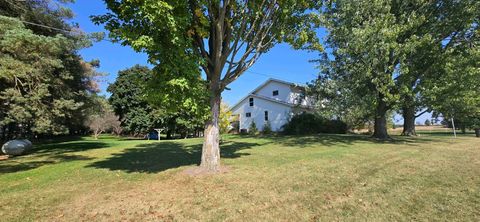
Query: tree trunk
{"x":380,"y":125}
{"x":409,"y":121}
{"x":169,"y":134}
{"x":477,"y":132}
{"x":211,"y":147}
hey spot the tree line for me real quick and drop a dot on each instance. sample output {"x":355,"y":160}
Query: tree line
{"x":46,"y":87}
{"x":379,"y":57}
{"x":406,"y":57}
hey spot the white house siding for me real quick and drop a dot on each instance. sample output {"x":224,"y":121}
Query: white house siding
{"x":278,"y":114}
{"x":286,"y":93}
{"x":283,"y":91}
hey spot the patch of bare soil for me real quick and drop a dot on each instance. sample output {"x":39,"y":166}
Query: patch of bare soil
{"x":4,"y":157}
{"x":200,"y":171}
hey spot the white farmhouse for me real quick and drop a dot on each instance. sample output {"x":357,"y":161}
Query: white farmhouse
{"x":274,"y":101}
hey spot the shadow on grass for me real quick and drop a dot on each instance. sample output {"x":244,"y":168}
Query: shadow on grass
{"x":49,"y":153}
{"x":344,"y":140}
{"x":14,"y":165}
{"x":157,"y":157}
{"x":67,"y":147}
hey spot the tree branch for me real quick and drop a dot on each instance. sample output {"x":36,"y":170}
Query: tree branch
{"x":425,"y":111}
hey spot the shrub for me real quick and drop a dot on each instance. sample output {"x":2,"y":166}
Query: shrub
{"x":252,"y":130}
{"x":307,"y":123}
{"x":267,"y":128}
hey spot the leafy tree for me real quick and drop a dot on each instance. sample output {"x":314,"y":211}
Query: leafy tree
{"x":51,"y":13}
{"x":140,"y":115}
{"x":102,"y":118}
{"x":456,"y":93}
{"x":129,"y":102}
{"x":222,"y":38}
{"x":366,"y":41}
{"x":57,"y":85}
{"x":382,"y":49}
{"x":336,"y":100}
{"x":440,"y":27}
{"x":225,"y":117}
{"x":39,"y":94}
{"x":474,"y":123}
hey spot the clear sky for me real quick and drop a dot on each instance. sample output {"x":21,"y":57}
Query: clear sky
{"x":281,"y":62}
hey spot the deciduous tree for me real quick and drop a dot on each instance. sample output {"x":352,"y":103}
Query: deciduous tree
{"x":223,"y":38}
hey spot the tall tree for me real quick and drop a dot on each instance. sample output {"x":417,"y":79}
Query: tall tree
{"x":40,"y":15}
{"x":383,"y":49}
{"x":39,"y":94}
{"x":441,"y":26}
{"x":221,"y":37}
{"x":129,"y":100}
{"x":40,"y":51}
{"x":366,"y":39}
{"x":456,"y":93}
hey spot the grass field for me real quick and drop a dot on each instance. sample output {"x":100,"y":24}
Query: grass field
{"x":315,"y":178}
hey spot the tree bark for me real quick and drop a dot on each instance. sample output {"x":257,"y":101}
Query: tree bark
{"x":409,"y":121}
{"x":380,"y":125}
{"x":211,"y":143}
{"x":169,"y":134}
{"x":477,"y":132}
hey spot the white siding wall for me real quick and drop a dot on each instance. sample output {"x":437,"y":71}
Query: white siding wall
{"x":284,"y":91}
{"x":278,"y":114}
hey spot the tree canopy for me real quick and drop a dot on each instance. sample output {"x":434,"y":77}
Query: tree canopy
{"x":221,"y":38}
{"x":383,"y":53}
{"x":44,"y":84}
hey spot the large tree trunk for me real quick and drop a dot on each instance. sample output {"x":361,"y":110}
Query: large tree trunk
{"x":211,"y":143}
{"x":477,"y":132}
{"x":380,"y":125}
{"x":409,"y":121}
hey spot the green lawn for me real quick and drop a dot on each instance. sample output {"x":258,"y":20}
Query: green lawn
{"x":316,"y":178}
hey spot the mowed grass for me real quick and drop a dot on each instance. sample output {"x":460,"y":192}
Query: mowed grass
{"x":314,"y":178}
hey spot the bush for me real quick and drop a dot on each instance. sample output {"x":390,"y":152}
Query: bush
{"x":252,"y":130}
{"x":267,"y":128}
{"x":307,"y":123}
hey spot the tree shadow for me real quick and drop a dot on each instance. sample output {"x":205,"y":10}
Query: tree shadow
{"x":345,"y":140}
{"x":49,"y":153}
{"x":67,"y":147}
{"x":13,"y":166}
{"x":161,"y":156}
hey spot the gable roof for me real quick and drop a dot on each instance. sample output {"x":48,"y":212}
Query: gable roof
{"x":252,"y":93}
{"x":274,"y":80}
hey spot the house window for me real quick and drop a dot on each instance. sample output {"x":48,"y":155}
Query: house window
{"x":251,"y":101}
{"x":248,"y":114}
{"x":266,"y":115}
{"x":275,"y":93}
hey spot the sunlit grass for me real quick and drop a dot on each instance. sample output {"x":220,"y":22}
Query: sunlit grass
{"x":324,"y":178}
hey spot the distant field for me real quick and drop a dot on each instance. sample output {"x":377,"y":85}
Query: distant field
{"x":314,"y":178}
{"x":426,"y":129}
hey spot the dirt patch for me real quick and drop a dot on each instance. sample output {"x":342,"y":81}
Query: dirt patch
{"x":4,"y":157}
{"x":200,"y":171}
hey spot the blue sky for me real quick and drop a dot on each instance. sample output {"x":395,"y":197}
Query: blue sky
{"x":280,"y":62}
